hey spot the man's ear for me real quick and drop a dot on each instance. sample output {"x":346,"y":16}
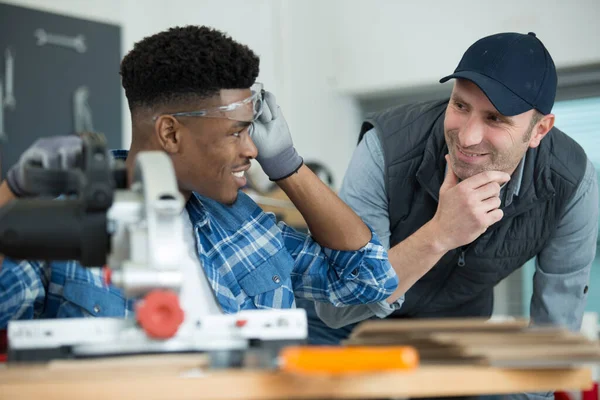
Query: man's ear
{"x":541,"y":129}
{"x":168,"y":132}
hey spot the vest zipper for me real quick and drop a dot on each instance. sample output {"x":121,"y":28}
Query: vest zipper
{"x":461,"y":256}
{"x":461,"y":259}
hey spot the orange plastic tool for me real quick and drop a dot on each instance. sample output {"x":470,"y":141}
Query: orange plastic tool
{"x":351,"y":359}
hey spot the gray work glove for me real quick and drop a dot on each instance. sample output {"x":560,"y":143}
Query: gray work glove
{"x":271,"y":135}
{"x":56,"y":152}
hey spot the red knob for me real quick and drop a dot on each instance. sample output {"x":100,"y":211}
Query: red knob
{"x":159,"y":314}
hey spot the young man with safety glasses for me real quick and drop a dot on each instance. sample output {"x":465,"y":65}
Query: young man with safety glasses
{"x":192,"y":94}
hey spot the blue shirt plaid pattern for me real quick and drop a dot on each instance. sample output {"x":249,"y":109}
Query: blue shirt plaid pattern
{"x":251,"y":262}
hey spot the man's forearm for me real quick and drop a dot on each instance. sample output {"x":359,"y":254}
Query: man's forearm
{"x":334,"y":225}
{"x":331,"y":222}
{"x":5,"y":196}
{"x":414,"y":257}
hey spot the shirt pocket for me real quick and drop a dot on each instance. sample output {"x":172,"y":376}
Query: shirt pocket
{"x":269,"y":284}
{"x":84,"y":299}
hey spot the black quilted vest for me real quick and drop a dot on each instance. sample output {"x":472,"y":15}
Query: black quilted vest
{"x":461,"y":283}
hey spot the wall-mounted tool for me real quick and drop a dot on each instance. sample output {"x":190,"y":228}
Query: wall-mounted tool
{"x":9,"y":80}
{"x":82,"y":113}
{"x":76,"y":43}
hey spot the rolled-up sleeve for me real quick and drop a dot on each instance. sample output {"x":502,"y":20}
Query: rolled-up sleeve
{"x":338,"y":317}
{"x":339,"y":277}
{"x":21,"y":287}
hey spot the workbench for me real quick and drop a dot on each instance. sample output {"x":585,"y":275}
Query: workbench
{"x":179,"y":377}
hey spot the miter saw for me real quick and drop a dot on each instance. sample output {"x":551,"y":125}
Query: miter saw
{"x":139,"y":234}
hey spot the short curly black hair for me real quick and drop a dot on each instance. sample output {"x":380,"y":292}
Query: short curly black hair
{"x":185,"y":64}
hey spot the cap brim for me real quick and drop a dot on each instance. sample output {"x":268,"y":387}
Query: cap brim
{"x":506,"y":102}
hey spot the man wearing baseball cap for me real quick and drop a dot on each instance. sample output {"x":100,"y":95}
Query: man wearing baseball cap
{"x":466,"y":190}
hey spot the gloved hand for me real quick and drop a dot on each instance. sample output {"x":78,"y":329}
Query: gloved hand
{"x":56,"y":152}
{"x":271,"y":135}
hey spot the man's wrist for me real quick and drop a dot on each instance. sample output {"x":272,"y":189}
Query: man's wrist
{"x":6,"y":194}
{"x":433,"y":238}
{"x":291,"y":173}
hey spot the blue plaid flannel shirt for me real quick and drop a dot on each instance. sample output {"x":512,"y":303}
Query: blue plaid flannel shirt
{"x":251,"y":262}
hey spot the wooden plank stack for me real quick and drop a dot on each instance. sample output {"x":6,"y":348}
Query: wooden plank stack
{"x":510,"y":344}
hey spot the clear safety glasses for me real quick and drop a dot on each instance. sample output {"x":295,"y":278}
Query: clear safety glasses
{"x":246,"y":110}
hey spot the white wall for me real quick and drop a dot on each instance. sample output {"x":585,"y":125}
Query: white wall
{"x":316,"y":55}
{"x":324,"y":123}
{"x":396,"y":44}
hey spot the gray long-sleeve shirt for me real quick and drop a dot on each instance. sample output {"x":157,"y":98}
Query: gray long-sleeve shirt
{"x":563,"y":267}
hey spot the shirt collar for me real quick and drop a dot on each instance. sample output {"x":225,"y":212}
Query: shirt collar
{"x":513,"y":187}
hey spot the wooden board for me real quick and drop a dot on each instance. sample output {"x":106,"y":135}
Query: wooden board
{"x":396,"y":326}
{"x":164,"y":377}
{"x":478,"y":341}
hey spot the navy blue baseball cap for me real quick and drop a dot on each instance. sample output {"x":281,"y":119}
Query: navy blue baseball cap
{"x":515,"y":71}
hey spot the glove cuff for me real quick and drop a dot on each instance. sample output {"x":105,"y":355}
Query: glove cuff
{"x":291,"y":173}
{"x":281,"y":166}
